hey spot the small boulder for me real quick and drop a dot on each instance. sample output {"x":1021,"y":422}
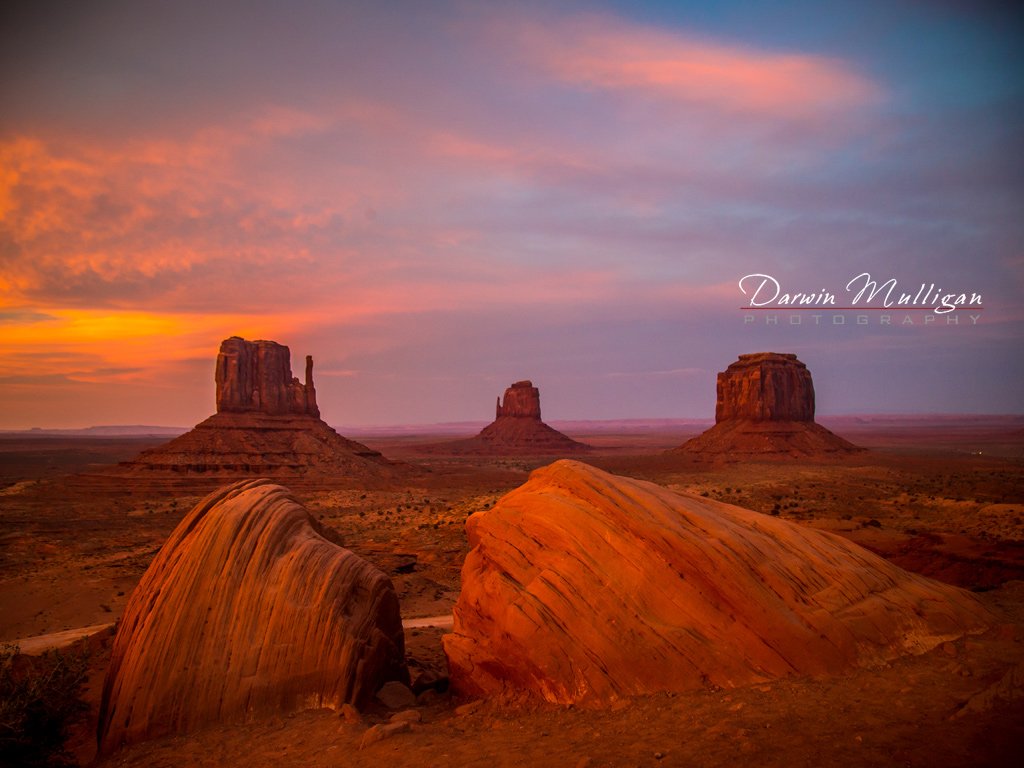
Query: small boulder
{"x":395,"y":695}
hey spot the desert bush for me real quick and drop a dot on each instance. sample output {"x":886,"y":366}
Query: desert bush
{"x":39,"y":700}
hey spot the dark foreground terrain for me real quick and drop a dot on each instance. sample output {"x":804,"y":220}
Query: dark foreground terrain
{"x":944,"y":498}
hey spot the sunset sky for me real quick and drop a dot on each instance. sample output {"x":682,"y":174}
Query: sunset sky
{"x":437,"y":199}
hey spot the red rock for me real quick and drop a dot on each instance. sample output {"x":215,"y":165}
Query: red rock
{"x":765,"y":386}
{"x":395,"y":695}
{"x":250,"y":607}
{"x":256,"y":377}
{"x":267,"y":424}
{"x":765,"y":409}
{"x":521,"y":399}
{"x":583,"y":587}
{"x":517,"y":429}
{"x":229,"y":445}
{"x":382,"y":731}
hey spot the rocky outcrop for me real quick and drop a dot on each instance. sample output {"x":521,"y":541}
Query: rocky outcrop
{"x":583,"y":587}
{"x":267,"y":424}
{"x":256,"y":377}
{"x":517,"y":429}
{"x":250,"y":607}
{"x":765,"y":386}
{"x":522,"y":399}
{"x":765,"y":408}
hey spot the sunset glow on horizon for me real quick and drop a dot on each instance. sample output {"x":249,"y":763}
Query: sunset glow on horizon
{"x":437,"y":202}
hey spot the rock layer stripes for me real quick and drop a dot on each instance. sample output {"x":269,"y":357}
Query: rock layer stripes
{"x":583,"y":587}
{"x":250,"y":607}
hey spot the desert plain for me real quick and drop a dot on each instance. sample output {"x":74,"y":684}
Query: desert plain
{"x":940,"y":496}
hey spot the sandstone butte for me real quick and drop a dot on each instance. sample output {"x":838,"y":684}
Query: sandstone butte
{"x":765,"y":409}
{"x":582,"y":587}
{"x":517,"y":429}
{"x":250,"y":607}
{"x":267,"y":424}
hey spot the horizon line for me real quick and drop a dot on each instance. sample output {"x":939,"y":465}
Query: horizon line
{"x":470,"y":422}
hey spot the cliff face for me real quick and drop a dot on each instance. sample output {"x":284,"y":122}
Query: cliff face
{"x":765,"y":410}
{"x":250,"y":607}
{"x":522,"y":400}
{"x":765,"y":386}
{"x":584,"y":587}
{"x":256,"y":377}
{"x":267,"y":425}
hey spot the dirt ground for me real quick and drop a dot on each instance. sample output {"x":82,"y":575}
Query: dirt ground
{"x":944,"y":499}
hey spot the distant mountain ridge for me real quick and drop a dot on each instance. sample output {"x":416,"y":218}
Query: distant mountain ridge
{"x":846,"y":421}
{"x":129,"y":430}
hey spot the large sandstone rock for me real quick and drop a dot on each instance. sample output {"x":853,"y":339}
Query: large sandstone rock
{"x":521,"y":399}
{"x":517,"y":429}
{"x":765,"y":409}
{"x":765,"y":386}
{"x":256,"y":377}
{"x":584,"y":587}
{"x":267,"y":424}
{"x":250,"y":607}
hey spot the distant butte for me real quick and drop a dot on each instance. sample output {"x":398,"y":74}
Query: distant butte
{"x":765,"y":409}
{"x":517,"y":429}
{"x":267,"y":424}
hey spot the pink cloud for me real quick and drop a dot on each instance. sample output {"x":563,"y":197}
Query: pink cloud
{"x":518,"y":156}
{"x":607,"y":53}
{"x":75,"y":212}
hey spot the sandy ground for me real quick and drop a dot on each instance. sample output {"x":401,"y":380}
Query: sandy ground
{"x":952,"y":508}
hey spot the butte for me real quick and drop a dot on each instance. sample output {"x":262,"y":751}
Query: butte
{"x":517,"y":429}
{"x":267,"y":424}
{"x":582,"y":587}
{"x":765,"y":409}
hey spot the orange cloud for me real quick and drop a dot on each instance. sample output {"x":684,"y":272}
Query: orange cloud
{"x":606,"y":53}
{"x":97,"y":222}
{"x":104,"y":343}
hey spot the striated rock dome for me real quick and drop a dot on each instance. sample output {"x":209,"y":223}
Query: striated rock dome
{"x":250,"y":607}
{"x":584,"y":587}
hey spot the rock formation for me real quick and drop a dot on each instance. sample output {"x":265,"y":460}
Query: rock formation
{"x":584,"y":587}
{"x":522,"y":400}
{"x":267,"y":424}
{"x":765,"y":386}
{"x":250,"y":607}
{"x":765,"y":408}
{"x":256,"y":377}
{"x":517,"y":429}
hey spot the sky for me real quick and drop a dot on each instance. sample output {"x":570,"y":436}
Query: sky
{"x":438,"y":199}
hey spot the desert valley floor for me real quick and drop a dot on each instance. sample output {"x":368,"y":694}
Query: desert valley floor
{"x":943,"y":498}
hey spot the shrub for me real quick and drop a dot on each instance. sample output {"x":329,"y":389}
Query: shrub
{"x":39,"y":699}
